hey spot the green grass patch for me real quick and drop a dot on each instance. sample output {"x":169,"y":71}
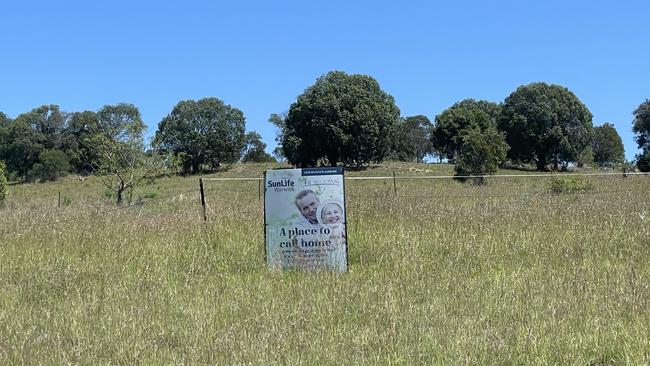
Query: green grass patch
{"x":570,"y":185}
{"x":440,"y":273}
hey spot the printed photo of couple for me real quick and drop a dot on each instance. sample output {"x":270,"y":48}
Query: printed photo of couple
{"x":313,"y":211}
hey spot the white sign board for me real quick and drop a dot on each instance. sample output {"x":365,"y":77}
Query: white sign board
{"x":304,"y":219}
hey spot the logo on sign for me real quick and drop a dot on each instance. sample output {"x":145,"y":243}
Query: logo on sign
{"x":281,"y":185}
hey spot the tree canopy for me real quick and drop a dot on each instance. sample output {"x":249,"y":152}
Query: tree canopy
{"x":641,"y":125}
{"x":48,"y":122}
{"x":545,"y":124}
{"x":341,"y":118}
{"x":81,"y":129}
{"x":607,"y":146}
{"x":4,"y":120}
{"x":641,"y":128}
{"x":20,"y":145}
{"x":203,"y":132}
{"x":480,"y":154}
{"x":119,"y":146}
{"x":454,"y":122}
{"x":411,"y":139}
{"x":254,"y":150}
{"x":52,"y":164}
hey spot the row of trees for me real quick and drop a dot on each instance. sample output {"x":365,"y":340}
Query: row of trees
{"x":348,"y":119}
{"x":341,"y":119}
{"x":46,"y":142}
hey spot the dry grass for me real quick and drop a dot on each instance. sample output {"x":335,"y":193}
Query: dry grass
{"x":442,"y":273}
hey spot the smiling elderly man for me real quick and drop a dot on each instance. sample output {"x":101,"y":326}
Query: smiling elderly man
{"x":307,"y":203}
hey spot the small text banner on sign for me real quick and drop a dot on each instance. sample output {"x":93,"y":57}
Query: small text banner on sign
{"x":305,"y":221}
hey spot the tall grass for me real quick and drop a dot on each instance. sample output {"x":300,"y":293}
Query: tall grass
{"x":441,"y":273}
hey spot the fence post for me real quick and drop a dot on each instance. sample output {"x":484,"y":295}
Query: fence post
{"x":259,"y":190}
{"x":394,"y":183}
{"x":59,"y":204}
{"x":205,"y":217}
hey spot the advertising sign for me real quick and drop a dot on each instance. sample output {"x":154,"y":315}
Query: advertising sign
{"x":304,"y":219}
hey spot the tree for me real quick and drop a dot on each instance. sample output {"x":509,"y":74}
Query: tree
{"x":20,"y":145}
{"x":641,"y":125}
{"x":278,"y":154}
{"x":277,"y":119}
{"x":119,"y":145}
{"x":643,"y":161}
{"x":411,"y":139}
{"x":607,"y":146}
{"x":545,"y":124}
{"x":480,"y":154}
{"x":52,"y":164}
{"x":78,"y":135}
{"x":254,"y":151}
{"x":455,"y":121}
{"x":49,"y":124}
{"x":52,"y":129}
{"x":203,"y":132}
{"x":586,"y":157}
{"x":341,"y":118}
{"x":4,"y":120}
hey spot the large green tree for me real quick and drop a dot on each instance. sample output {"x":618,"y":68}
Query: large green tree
{"x":607,"y":146}
{"x":43,"y":128}
{"x":20,"y":145}
{"x":49,"y":123}
{"x":341,"y":118}
{"x":641,"y":127}
{"x":454,"y":122}
{"x":204,"y":132}
{"x":545,"y":124}
{"x":411,"y":139}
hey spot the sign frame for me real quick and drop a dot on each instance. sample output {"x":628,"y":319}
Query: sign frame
{"x":324,"y":245}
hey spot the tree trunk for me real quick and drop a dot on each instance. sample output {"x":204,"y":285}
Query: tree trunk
{"x":119,"y":192}
{"x":541,"y":163}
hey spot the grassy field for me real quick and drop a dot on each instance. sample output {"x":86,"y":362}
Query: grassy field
{"x":440,"y":273}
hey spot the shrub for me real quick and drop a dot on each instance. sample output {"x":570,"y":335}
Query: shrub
{"x":52,"y":165}
{"x":480,"y":154}
{"x":150,"y":195}
{"x":570,"y":185}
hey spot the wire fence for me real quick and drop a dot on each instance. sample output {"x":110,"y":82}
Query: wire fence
{"x":443,"y":188}
{"x":431,"y":195}
{"x":411,"y":188}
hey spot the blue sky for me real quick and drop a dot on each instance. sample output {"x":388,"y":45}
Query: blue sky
{"x":259,"y":56}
